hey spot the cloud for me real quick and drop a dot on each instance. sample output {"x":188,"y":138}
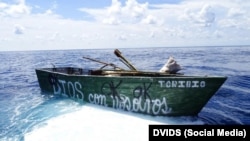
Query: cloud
{"x":135,"y":9}
{"x":203,"y":17}
{"x":235,"y":12}
{"x":14,"y":10}
{"x":130,"y":13}
{"x":122,"y":37}
{"x":149,"y":19}
{"x":54,"y":36}
{"x":18,"y":29}
{"x":3,"y":5}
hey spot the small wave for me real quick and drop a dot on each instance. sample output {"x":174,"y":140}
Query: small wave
{"x":241,"y":83}
{"x":235,"y":107}
{"x":217,"y":117}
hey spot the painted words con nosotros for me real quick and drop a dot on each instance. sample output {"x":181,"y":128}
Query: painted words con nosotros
{"x":120,"y":101}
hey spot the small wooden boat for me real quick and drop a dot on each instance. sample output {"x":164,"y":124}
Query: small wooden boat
{"x":154,"y":93}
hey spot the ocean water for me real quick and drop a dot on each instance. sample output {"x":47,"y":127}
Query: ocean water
{"x":26,"y":114}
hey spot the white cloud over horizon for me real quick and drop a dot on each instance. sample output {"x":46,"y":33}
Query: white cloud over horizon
{"x":128,"y":24}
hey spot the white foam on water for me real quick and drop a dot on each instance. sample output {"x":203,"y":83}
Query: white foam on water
{"x":93,"y":122}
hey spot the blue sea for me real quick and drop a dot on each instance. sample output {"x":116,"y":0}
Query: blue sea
{"x":27,"y":114}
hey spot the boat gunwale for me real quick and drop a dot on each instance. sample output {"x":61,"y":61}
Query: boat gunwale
{"x":143,"y":74}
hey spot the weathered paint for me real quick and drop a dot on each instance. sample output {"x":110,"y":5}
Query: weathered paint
{"x":170,"y":95}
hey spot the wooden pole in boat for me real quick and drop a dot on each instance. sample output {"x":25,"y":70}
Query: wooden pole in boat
{"x":124,"y":60}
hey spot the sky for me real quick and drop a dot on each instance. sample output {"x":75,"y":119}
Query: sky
{"x":95,"y":24}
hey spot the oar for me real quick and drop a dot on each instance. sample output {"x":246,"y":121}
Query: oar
{"x":124,"y":60}
{"x":105,"y":64}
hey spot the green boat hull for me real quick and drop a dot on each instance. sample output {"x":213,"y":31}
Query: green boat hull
{"x":169,"y":95}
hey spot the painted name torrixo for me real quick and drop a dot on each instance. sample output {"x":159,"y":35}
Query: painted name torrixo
{"x":182,"y":84}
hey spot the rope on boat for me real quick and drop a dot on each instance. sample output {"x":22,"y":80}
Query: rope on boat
{"x":105,"y":64}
